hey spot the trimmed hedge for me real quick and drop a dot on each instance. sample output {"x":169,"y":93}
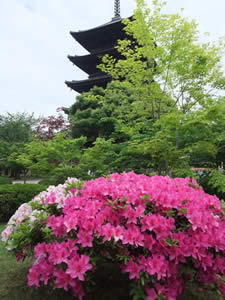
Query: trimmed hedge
{"x":13,"y":195}
{"x":48,"y":182}
{"x":5,"y":180}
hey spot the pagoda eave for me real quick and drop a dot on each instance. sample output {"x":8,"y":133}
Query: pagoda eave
{"x":88,"y":63}
{"x":81,"y":86}
{"x":91,"y":39}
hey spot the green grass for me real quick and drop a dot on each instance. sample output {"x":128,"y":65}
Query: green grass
{"x":11,"y":274}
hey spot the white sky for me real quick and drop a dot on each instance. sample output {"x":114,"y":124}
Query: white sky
{"x":35,"y":42}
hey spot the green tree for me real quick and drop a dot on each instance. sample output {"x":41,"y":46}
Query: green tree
{"x":58,"y":155}
{"x":16,"y":128}
{"x":162,"y":111}
{"x":102,"y":112}
{"x":175,"y":81}
{"x":15,"y":132}
{"x":166,"y":62}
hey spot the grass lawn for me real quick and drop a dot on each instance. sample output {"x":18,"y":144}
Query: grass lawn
{"x":13,"y":284}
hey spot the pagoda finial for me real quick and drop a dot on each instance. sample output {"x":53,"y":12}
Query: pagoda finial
{"x":116,"y":10}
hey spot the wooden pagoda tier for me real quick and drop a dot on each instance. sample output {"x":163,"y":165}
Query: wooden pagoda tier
{"x":97,"y":41}
{"x":81,"y":86}
{"x":88,"y":63}
{"x":101,"y":37}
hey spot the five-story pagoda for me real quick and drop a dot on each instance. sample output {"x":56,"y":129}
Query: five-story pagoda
{"x":97,"y":41}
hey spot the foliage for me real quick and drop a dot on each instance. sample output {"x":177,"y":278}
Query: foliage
{"x":217,"y":182}
{"x":47,"y":127}
{"x":162,"y":112}
{"x":5,"y":180}
{"x":164,"y":233}
{"x":174,"y":142}
{"x":47,"y":182}
{"x":16,"y":128}
{"x":213,"y":182}
{"x":15,"y":131}
{"x":163,"y":155}
{"x":13,"y":195}
{"x":202,"y":135}
{"x":100,"y":113}
{"x":182,"y":171}
{"x":107,"y":156}
{"x":165,"y":61}
{"x":61,"y":174}
{"x":51,"y":156}
{"x":96,"y":160}
{"x":174,"y":80}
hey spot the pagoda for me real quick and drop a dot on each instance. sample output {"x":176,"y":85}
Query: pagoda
{"x":97,"y":41}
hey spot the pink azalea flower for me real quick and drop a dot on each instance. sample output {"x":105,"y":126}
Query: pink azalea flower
{"x":62,"y":279}
{"x":162,"y":224}
{"x":133,"y":269}
{"x":151,"y":294}
{"x":33,"y":277}
{"x":107,"y":231}
{"x":78,"y":266}
{"x":84,"y":238}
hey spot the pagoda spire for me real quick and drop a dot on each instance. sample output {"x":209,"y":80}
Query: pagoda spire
{"x":116,"y":10}
{"x":97,"y":41}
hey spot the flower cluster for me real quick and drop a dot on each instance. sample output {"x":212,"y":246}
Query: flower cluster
{"x":156,"y":228}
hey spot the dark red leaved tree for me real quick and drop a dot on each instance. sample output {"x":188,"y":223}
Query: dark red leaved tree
{"x":49,"y":126}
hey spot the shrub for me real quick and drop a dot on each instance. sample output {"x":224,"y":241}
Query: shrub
{"x":61,"y":174}
{"x":5,"y":180}
{"x":163,"y":233}
{"x":47,"y":182}
{"x":13,"y":195}
{"x":212,"y":181}
{"x":217,"y":183}
{"x":182,"y":172}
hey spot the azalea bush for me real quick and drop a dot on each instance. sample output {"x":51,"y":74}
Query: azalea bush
{"x":162,"y":232}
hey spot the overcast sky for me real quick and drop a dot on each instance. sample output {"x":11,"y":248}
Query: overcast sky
{"x":35,"y":42}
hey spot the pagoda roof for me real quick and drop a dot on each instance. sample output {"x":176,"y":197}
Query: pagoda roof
{"x":88,"y":63}
{"x":100,"y":37}
{"x":81,"y":86}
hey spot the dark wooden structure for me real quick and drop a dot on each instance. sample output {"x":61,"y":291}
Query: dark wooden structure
{"x":97,"y":41}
